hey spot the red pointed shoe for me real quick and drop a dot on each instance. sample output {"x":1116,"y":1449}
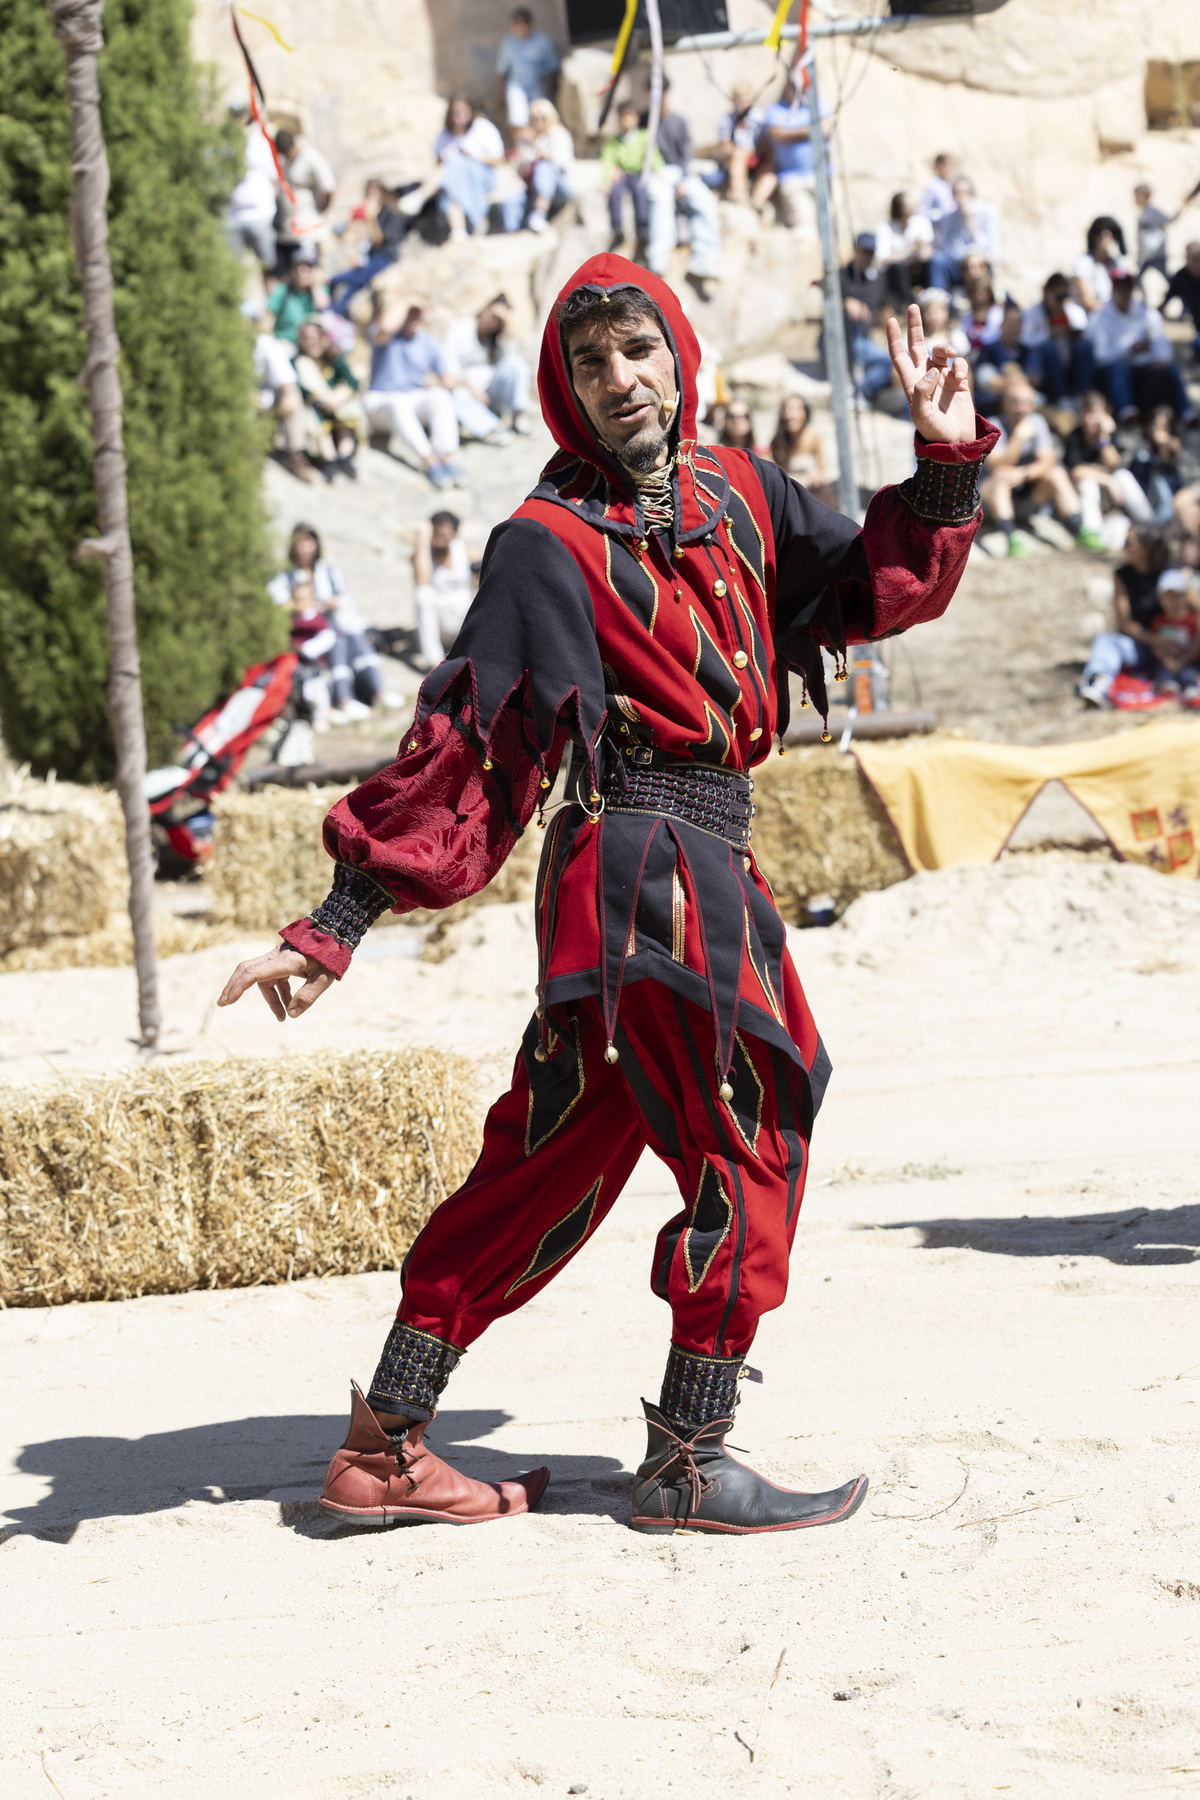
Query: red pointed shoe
{"x":393,"y":1478}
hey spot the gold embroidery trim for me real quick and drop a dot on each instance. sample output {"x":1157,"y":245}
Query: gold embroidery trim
{"x":532,"y":1272}
{"x":694,"y":1279}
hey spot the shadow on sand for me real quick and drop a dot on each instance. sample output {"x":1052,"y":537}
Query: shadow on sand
{"x":251,"y":1459}
{"x":1135,"y":1236}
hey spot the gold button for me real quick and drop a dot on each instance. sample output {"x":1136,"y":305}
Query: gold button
{"x":624,"y":731}
{"x":720,"y":590}
{"x":756,"y":734}
{"x":740,"y":659}
{"x":746,"y":864}
{"x":643,"y":546}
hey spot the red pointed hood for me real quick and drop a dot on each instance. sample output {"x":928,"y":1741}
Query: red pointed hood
{"x":563,"y":413}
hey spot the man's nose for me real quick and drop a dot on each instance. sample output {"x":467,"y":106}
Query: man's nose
{"x":621,"y":373}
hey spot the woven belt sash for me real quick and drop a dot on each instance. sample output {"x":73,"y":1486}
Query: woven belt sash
{"x":713,"y":800}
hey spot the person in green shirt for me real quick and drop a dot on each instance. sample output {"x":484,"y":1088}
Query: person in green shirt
{"x":622,"y":160}
{"x":293,"y":301}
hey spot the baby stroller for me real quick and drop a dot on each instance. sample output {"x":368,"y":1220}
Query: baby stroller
{"x":215,"y":749}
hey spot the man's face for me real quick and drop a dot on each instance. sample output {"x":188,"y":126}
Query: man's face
{"x":1010,"y":330}
{"x":520,"y":27}
{"x":1018,"y":405}
{"x":1193,"y":258}
{"x":1122,"y":295}
{"x":412,"y":321}
{"x":1055,"y":297}
{"x":624,"y":379}
{"x":442,"y":535}
{"x":627,"y":118}
{"x":491,"y":320}
{"x":311,"y":340}
{"x":962,"y":191}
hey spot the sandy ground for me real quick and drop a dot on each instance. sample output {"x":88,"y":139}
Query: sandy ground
{"x":991,"y":1312}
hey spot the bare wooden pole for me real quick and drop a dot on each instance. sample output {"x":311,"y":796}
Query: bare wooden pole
{"x":77,"y":26}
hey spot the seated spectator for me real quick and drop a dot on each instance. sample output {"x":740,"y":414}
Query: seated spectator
{"x":787,"y":128}
{"x":1024,"y":467}
{"x":1152,"y":225}
{"x":737,"y":149}
{"x":493,"y":376}
{"x":997,"y":362}
{"x":411,"y":392}
{"x":798,"y":447}
{"x":939,"y":321}
{"x":301,"y":296}
{"x":250,"y":214}
{"x":526,"y":67}
{"x":387,"y":227}
{"x":300,"y":222}
{"x":984,"y":315}
{"x":864,"y":297}
{"x":1184,"y":286}
{"x":677,"y":192}
{"x":279,"y":392}
{"x":552,"y":170}
{"x":468,"y":150}
{"x":1131,"y":349}
{"x":736,"y":430}
{"x":1093,"y":461}
{"x":320,"y":602}
{"x":937,"y":196}
{"x":1154,"y":465}
{"x":903,"y":249}
{"x":1155,"y":635}
{"x":1058,"y":358}
{"x":330,"y":390}
{"x":622,"y":159}
{"x":1090,"y":276}
{"x":442,"y":585}
{"x":971,"y":226}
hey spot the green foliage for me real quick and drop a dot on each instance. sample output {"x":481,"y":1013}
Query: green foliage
{"x":192,"y":441}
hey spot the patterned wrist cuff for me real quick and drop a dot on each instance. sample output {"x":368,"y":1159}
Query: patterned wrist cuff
{"x":945,"y":492}
{"x":352,"y":905}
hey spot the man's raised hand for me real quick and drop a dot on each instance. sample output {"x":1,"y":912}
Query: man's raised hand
{"x":937,"y":387}
{"x":273,"y":975}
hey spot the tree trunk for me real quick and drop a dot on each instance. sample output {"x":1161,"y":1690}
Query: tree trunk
{"x":77,"y":26}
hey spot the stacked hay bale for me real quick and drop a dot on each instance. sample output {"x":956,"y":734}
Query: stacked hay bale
{"x":820,"y":828}
{"x":269,"y":865}
{"x":226,"y":1175}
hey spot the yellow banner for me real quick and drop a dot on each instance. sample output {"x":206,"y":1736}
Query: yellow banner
{"x":778,"y":23}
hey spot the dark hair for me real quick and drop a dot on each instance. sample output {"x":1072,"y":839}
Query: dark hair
{"x":445,"y":518}
{"x":781,"y":447}
{"x":1158,"y":545}
{"x":457,"y":100}
{"x":526,"y":17}
{"x":724,"y":436}
{"x":894,"y":209}
{"x":1096,"y":231}
{"x":588,"y":306}
{"x":284,"y":141}
{"x":302,"y":529}
{"x":1093,"y":401}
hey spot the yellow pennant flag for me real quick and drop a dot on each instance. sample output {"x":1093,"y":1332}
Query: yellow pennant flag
{"x":631,"y":7}
{"x":774,"y":35}
{"x":259,"y":20}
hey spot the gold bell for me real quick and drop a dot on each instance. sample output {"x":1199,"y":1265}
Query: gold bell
{"x":756,"y":734}
{"x":725,"y":1091}
{"x":539,"y":1054}
{"x":720,"y":590}
{"x":594,"y":797}
{"x":412,"y":744}
{"x":541,"y":821}
{"x":544,"y":783}
{"x":782,"y":751}
{"x":643,"y":546}
{"x":746,"y":864}
{"x":612,"y":1054}
{"x":842,"y":675}
{"x":827,"y":737}
{"x":740,"y":659}
{"x":487,"y":762}
{"x":679,"y":553}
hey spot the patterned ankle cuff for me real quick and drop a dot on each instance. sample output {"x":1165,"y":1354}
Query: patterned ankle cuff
{"x":413,"y":1370}
{"x":945,"y":493}
{"x":698,"y":1389}
{"x":351,"y":907}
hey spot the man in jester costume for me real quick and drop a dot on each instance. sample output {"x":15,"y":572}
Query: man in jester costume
{"x":636,"y":617}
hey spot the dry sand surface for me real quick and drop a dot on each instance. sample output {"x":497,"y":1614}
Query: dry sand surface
{"x":991,"y":1312}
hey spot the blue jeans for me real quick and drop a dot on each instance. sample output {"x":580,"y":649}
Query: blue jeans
{"x":547,"y":182}
{"x":944,"y":271}
{"x":671,"y":193}
{"x":468,"y":184}
{"x":1054,"y":374}
{"x":354,"y":279}
{"x":1117,"y":378}
{"x":635,"y":187}
{"x":506,"y":385}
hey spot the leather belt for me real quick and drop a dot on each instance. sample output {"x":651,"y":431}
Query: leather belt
{"x":639,"y":779}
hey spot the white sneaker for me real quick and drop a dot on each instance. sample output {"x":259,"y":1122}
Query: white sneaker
{"x":537,"y":221}
{"x":389,"y":701}
{"x":500,"y":440}
{"x":349,"y":713}
{"x":1095,"y":693}
{"x":521,"y":425}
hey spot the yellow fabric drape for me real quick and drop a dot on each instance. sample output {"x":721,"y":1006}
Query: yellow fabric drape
{"x":958,"y":802}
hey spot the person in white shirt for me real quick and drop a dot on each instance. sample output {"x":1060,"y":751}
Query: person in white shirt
{"x":737,"y":151}
{"x":494,"y":378}
{"x":1056,"y":358}
{"x":279,"y":392}
{"x":552,"y":177}
{"x":1024,"y":464}
{"x":904,"y":248}
{"x":1090,"y":273}
{"x":1126,"y":334}
{"x":937,"y":196}
{"x":312,"y":182}
{"x":250,"y":215}
{"x":443,"y":585}
{"x":469,"y":150}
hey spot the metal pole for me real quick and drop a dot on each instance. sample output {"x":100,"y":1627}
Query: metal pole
{"x":837,"y":364}
{"x":654,"y":116}
{"x":734,"y":40}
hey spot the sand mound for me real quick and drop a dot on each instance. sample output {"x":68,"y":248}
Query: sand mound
{"x":1025,"y":910}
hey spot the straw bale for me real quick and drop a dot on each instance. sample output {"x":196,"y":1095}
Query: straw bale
{"x":112,"y":946}
{"x":269,"y":865}
{"x":62,"y":861}
{"x":160,"y":1180}
{"x":821,"y":829}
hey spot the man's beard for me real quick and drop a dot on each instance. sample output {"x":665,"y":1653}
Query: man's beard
{"x":640,"y":455}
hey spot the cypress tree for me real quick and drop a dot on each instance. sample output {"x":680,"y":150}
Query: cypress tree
{"x":193,"y":443}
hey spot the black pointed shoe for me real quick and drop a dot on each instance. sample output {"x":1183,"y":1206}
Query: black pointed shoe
{"x":690,"y":1482}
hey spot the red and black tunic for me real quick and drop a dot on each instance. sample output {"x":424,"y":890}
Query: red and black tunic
{"x":592,"y":631}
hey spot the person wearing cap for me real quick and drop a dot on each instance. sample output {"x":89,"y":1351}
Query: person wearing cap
{"x":1126,"y":335}
{"x":864,"y":301}
{"x":1164,"y":650}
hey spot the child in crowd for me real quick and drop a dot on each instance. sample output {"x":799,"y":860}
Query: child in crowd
{"x":1137,"y":609}
{"x":1152,"y":225}
{"x":443,"y":585}
{"x":1175,"y":635}
{"x":622,"y":160}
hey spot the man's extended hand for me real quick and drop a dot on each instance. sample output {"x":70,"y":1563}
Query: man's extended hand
{"x":273,"y":975}
{"x":937,"y":388}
